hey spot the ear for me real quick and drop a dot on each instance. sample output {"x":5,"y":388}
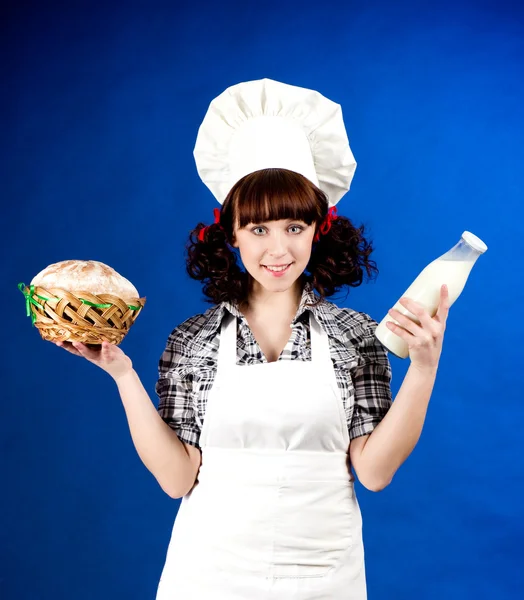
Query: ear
{"x":234,"y":242}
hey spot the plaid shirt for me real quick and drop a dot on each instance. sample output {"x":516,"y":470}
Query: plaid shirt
{"x":188,"y":365}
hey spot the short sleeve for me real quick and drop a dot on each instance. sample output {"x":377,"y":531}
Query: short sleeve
{"x":372,"y":383}
{"x":175,"y":389}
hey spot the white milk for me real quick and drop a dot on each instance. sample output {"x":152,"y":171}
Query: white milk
{"x":452,"y":269}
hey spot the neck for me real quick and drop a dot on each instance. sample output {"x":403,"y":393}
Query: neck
{"x":262,"y":303}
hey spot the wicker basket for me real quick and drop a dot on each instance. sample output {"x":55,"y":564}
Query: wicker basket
{"x":62,"y":316}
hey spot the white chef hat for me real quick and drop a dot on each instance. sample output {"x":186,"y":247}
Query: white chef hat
{"x":267,"y":124}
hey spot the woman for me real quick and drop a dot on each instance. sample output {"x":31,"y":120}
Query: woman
{"x":271,"y":398}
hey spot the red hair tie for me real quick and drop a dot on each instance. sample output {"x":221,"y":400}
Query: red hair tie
{"x":325,"y":226}
{"x":202,"y":232}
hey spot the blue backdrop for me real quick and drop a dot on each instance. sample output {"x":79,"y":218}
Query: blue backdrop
{"x":100,"y":107}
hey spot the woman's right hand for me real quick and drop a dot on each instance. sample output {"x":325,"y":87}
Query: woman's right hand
{"x":109,"y":357}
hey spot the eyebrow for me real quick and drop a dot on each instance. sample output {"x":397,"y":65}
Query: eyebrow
{"x":272,"y":220}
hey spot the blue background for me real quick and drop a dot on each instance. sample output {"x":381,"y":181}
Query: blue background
{"x":100,"y":107}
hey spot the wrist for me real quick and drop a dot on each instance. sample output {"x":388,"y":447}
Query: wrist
{"x":121,"y":378}
{"x":425,"y":370}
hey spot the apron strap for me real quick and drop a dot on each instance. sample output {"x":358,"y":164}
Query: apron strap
{"x":227,"y":350}
{"x":321,"y":357}
{"x":320,"y":352}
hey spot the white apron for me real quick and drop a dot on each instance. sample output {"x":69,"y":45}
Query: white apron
{"x":274,"y":514}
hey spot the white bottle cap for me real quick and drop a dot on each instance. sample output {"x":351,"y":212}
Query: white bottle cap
{"x":474,"y":241}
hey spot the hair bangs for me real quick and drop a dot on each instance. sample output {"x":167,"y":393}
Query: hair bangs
{"x":277,"y":194}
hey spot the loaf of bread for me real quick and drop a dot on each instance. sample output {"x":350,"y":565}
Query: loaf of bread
{"x":85,"y":276}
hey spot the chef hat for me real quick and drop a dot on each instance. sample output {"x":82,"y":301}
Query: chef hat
{"x":267,"y":124}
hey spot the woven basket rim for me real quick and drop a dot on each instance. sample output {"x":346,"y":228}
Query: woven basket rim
{"x":79,"y":293}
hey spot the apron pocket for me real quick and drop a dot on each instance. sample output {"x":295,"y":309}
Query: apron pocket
{"x":313,"y":528}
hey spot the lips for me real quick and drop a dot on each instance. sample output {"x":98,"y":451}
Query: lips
{"x":277,"y":270}
{"x":277,"y":267}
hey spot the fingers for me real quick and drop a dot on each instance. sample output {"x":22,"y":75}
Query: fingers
{"x":422,"y":324}
{"x":444,"y":304}
{"x":79,"y":349}
{"x":86,"y":352}
{"x":400,"y":331}
{"x":407,"y":323}
{"x":68,"y":346}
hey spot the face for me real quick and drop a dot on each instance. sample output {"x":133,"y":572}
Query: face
{"x":275,"y":253}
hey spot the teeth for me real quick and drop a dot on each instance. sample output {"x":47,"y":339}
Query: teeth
{"x":277,"y":268}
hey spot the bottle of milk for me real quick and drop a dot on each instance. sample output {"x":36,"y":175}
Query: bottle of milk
{"x":452,"y":269}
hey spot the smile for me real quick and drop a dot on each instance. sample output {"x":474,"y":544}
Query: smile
{"x":277,"y":270}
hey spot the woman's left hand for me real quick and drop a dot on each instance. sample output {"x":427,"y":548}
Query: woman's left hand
{"x":425,"y":339}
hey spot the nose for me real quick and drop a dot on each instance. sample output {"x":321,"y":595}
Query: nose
{"x":276,"y":244}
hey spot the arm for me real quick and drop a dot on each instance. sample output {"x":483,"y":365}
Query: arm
{"x":173,"y":463}
{"x":376,"y":457}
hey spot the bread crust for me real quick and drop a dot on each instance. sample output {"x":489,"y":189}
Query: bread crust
{"x":85,"y":276}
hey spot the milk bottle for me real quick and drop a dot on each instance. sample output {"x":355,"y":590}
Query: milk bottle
{"x":452,"y":269}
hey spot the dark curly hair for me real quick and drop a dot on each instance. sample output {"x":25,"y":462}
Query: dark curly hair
{"x":340,"y":257}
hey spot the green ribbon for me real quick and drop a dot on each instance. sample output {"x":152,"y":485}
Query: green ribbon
{"x":105,"y":305}
{"x":30,"y":300}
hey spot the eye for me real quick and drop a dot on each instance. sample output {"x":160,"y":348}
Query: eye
{"x":258,"y":230}
{"x":296,"y":229}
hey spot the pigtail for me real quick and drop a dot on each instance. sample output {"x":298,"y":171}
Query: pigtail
{"x":341,"y":257}
{"x":211,"y":260}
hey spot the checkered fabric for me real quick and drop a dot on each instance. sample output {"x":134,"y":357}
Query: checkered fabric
{"x":188,"y":364}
